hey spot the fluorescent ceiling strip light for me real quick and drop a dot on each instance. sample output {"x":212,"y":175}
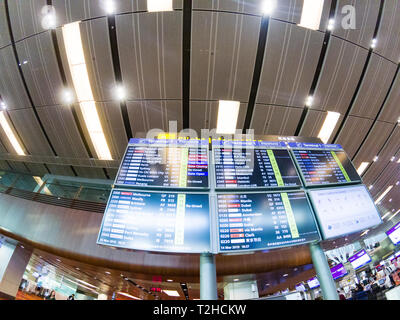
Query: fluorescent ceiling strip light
{"x":385,"y":215}
{"x":228,"y":112}
{"x":362,"y":167}
{"x":394,"y":215}
{"x":128,"y":295}
{"x":365,"y":232}
{"x":80,"y":78}
{"x":311,"y":14}
{"x":10,"y":134}
{"x":328,"y":126}
{"x":159,"y":5}
{"x":383,"y":194}
{"x":171,"y":293}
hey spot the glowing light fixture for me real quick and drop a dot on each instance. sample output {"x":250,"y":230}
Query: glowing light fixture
{"x":171,"y":293}
{"x":384,"y":193}
{"x":373,"y":43}
{"x":311,"y":14}
{"x":76,"y":60}
{"x":328,"y":126}
{"x":309,"y":101}
{"x":385,"y":215}
{"x":331,"y":24}
{"x":109,"y":6}
{"x":362,"y":167}
{"x":159,"y":5}
{"x":10,"y":134}
{"x":375,"y":159}
{"x":394,"y":214}
{"x":268,"y":6}
{"x":120,"y":93}
{"x":365,"y":232}
{"x":128,"y":295}
{"x":228,"y":112}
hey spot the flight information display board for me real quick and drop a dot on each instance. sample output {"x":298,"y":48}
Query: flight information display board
{"x":344,"y":210}
{"x":313,"y":283}
{"x":256,"y":221}
{"x":323,"y":164}
{"x":338,"y":271}
{"x":253,"y":164}
{"x":394,"y":234}
{"x":166,"y":163}
{"x":360,"y":259}
{"x":157,"y":221}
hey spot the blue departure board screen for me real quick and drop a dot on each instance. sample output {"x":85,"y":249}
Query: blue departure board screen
{"x":164,"y":163}
{"x":156,"y":221}
{"x":253,"y":165}
{"x":322,"y":164}
{"x":256,"y":221}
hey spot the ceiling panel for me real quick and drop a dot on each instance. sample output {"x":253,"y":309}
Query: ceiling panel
{"x":275,"y":120}
{"x":11,"y":87}
{"x":87,"y":172}
{"x":4,"y":165}
{"x":389,"y":176}
{"x":352,"y":133}
{"x":96,"y":47}
{"x":390,"y":150}
{"x":112,"y":173}
{"x":234,"y":6}
{"x":18,"y":166}
{"x":215,"y":74}
{"x":203,"y":115}
{"x":26,"y":17}
{"x":4,"y":33}
{"x":151,"y":69}
{"x":28,"y":128}
{"x":377,"y":137}
{"x":60,"y":170}
{"x":41,"y":70}
{"x":366,"y":15}
{"x":313,"y":124}
{"x":374,"y":87}
{"x":388,"y":37}
{"x":62,"y":131}
{"x":37,"y":169}
{"x":290,"y":60}
{"x":391,"y":110}
{"x":339,"y":76}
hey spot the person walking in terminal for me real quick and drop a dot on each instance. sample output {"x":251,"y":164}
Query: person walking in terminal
{"x":52,"y":296}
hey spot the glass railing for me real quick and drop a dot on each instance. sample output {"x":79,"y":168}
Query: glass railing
{"x":56,"y":186}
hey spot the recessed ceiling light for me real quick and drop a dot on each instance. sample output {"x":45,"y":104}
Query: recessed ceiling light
{"x":370,"y":187}
{"x":331,"y":24}
{"x":77,"y":269}
{"x":385,"y":215}
{"x":285,"y":275}
{"x":309,"y":101}
{"x":397,"y":183}
{"x":3,"y":105}
{"x":373,"y":43}
{"x":311,"y":14}
{"x":48,"y":17}
{"x":392,"y":158}
{"x":390,"y":200}
{"x":235,"y":280}
{"x":107,"y":272}
{"x":68,"y":96}
{"x":384,"y":193}
{"x":58,"y":260}
{"x":328,"y":126}
{"x":109,"y":6}
{"x":159,"y":5}
{"x":76,"y":60}
{"x":169,"y":280}
{"x":128,"y":295}
{"x":120,"y":93}
{"x":10,"y":134}
{"x":394,"y":214}
{"x":228,"y":112}
{"x":362,"y":167}
{"x":268,"y":6}
{"x":375,"y":159}
{"x":172,"y":293}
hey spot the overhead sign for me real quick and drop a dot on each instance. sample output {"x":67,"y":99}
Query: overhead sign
{"x":394,"y":234}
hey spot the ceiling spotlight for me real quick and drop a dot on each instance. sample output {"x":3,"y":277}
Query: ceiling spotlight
{"x":235,"y":280}
{"x":311,"y":14}
{"x":309,"y":101}
{"x":331,"y":24}
{"x":268,"y":6}
{"x":109,"y":6}
{"x":169,"y":280}
{"x":68,"y":96}
{"x":362,"y":167}
{"x":3,"y":105}
{"x":397,"y":183}
{"x":384,"y":193}
{"x":373,"y":43}
{"x":48,"y":17}
{"x":107,"y":272}
{"x":375,"y":159}
{"x":392,"y":159}
{"x":370,"y":187}
{"x":120,"y":93}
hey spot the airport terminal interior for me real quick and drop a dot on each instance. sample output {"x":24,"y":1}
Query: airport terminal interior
{"x":199,"y":150}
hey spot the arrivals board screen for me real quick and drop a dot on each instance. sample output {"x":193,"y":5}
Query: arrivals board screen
{"x":338,"y":271}
{"x":344,"y":210}
{"x":166,"y":163}
{"x":323,"y":164}
{"x":313,"y":283}
{"x":394,"y":234}
{"x":156,"y":221}
{"x":360,"y":259}
{"x":253,"y":164}
{"x":255,"y":221}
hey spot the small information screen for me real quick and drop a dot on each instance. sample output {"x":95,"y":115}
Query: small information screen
{"x":323,"y":164}
{"x":394,"y":234}
{"x":165,"y":163}
{"x":360,"y":259}
{"x":254,"y":221}
{"x":253,"y":165}
{"x":344,"y":210}
{"x":338,"y":271}
{"x":156,"y":221}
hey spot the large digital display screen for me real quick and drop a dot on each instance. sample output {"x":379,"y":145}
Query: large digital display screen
{"x":256,"y":164}
{"x":344,"y":210}
{"x":338,"y":271}
{"x":164,"y":163}
{"x":156,"y":221}
{"x":322,"y":164}
{"x":254,"y":221}
{"x":313,"y":283}
{"x":394,"y":234}
{"x":360,"y":259}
